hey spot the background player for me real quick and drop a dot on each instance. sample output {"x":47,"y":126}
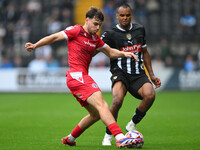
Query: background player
{"x":82,"y":43}
{"x":128,"y":74}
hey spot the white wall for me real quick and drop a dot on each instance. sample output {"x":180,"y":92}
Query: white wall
{"x":20,"y":80}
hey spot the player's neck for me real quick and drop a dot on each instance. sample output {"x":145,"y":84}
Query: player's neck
{"x":85,"y":28}
{"x":125,"y":28}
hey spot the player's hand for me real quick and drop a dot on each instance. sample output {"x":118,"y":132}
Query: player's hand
{"x":29,"y":46}
{"x":156,"y":81}
{"x":131,"y":55}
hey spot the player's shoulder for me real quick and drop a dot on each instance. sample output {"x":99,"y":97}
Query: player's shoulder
{"x":137,"y":26}
{"x":75,"y":28}
{"x":72,"y":31}
{"x":107,"y":33}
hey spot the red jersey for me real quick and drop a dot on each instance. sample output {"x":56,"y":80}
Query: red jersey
{"x":81,"y":47}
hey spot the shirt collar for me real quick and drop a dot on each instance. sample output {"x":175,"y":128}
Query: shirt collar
{"x":123,"y":29}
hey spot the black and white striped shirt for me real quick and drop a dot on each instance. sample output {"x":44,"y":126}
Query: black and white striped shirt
{"x":131,"y":41}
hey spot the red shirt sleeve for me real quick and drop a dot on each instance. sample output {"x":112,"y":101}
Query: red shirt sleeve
{"x":71,"y":32}
{"x":100,"y":44}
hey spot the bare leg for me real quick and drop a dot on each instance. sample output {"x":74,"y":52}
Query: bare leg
{"x":118,"y":91}
{"x":96,"y":101}
{"x":148,"y":94}
{"x":90,"y":119}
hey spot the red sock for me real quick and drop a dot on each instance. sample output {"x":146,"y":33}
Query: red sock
{"x":114,"y":129}
{"x":77,"y":131}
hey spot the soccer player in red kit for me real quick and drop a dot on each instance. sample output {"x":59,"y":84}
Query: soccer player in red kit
{"x":83,"y":42}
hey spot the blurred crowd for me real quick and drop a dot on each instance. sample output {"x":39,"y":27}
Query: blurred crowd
{"x":172,"y":31}
{"x":29,"y":20}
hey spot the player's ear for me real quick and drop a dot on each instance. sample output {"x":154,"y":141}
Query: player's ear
{"x":117,"y":16}
{"x":86,"y":20}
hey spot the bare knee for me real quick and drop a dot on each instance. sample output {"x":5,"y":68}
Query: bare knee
{"x":147,"y":92}
{"x":149,"y":97}
{"x":95,"y":117}
{"x":105,"y":105}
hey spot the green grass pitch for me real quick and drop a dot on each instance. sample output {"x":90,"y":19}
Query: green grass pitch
{"x":39,"y":121}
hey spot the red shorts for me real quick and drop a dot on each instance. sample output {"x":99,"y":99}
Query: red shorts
{"x":81,"y":86}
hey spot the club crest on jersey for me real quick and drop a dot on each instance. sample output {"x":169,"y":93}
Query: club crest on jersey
{"x":128,"y":36}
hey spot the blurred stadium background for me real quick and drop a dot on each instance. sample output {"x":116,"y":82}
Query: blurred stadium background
{"x":172,"y":31}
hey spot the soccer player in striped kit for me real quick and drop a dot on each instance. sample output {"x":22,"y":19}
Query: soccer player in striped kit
{"x":128,"y":74}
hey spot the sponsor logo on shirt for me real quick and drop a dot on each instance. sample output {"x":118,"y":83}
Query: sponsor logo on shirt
{"x":90,"y":44}
{"x":133,"y":48}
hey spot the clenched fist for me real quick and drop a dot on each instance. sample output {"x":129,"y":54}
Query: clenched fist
{"x":29,"y":46}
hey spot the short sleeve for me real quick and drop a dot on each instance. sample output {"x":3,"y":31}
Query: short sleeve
{"x":100,"y":44}
{"x":71,"y":32}
{"x":106,"y":38}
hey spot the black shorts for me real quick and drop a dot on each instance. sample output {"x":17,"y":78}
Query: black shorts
{"x":132,"y":82}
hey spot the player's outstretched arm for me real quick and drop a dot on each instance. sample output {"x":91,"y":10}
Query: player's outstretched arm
{"x":114,"y":53}
{"x":45,"y":41}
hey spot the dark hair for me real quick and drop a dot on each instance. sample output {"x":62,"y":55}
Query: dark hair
{"x":96,"y":13}
{"x":124,"y":5}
